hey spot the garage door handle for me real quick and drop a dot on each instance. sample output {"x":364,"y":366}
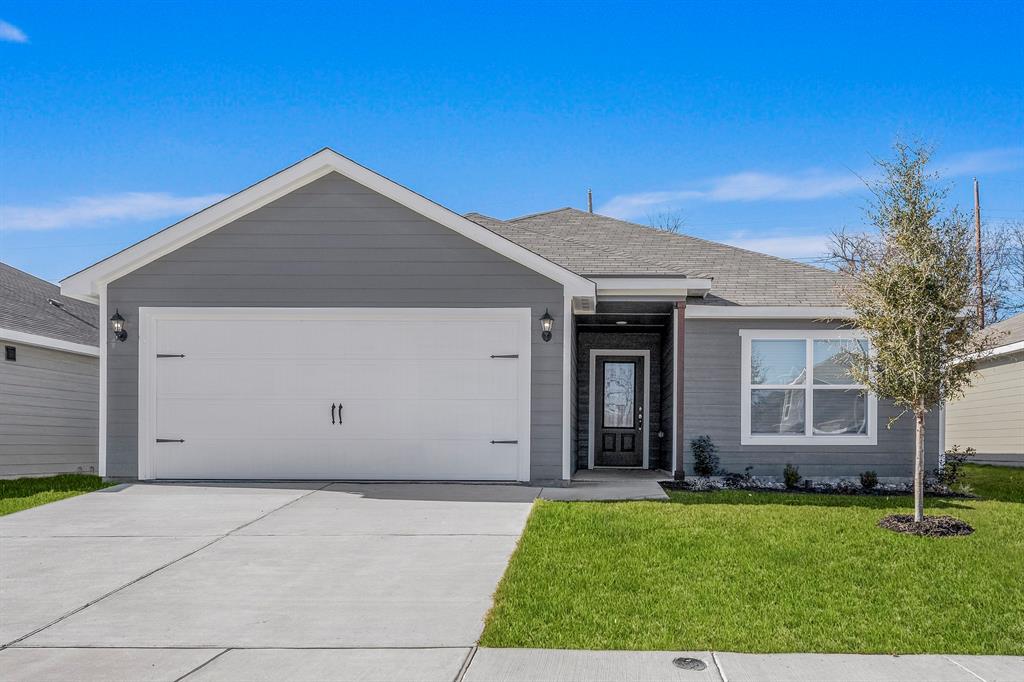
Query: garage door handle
{"x":332,"y":413}
{"x":503,"y":442}
{"x":170,"y":440}
{"x":513,"y":355}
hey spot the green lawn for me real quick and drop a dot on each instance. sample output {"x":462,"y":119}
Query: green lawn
{"x":23,"y":493}
{"x":768,"y":572}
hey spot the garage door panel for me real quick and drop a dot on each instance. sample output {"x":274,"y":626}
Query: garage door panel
{"x":414,"y":459}
{"x":335,"y":378}
{"x":422,"y":396}
{"x":215,"y":417}
{"x":349,"y":338}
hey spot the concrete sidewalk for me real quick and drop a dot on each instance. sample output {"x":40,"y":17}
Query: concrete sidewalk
{"x":548,"y":665}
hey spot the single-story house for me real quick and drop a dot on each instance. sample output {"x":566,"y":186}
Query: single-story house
{"x":329,"y":323}
{"x":49,"y":379}
{"x":990,"y":416}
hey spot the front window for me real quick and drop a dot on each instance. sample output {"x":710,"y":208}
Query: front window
{"x":797,"y":389}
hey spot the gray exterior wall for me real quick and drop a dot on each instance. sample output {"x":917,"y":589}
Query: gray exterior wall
{"x":711,"y":400}
{"x":586,"y":341}
{"x":49,"y":412}
{"x":335,"y":243}
{"x":990,"y":416}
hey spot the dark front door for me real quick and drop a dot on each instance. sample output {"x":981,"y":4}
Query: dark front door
{"x":619,"y":411}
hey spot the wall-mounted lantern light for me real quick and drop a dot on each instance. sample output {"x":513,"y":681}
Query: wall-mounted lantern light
{"x":117,"y":325}
{"x":546,"y":324}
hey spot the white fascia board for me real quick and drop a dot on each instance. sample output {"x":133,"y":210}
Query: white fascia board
{"x":46,"y":342}
{"x":999,"y":350}
{"x":769,"y":312}
{"x":85,"y":285}
{"x":651,"y":286}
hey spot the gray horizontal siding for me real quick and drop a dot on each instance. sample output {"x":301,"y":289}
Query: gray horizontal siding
{"x":335,"y":243}
{"x":49,"y":414}
{"x":711,"y":400}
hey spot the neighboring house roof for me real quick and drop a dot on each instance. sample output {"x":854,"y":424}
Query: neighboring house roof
{"x":26,"y":311}
{"x":595,"y":245}
{"x":1010,"y":336}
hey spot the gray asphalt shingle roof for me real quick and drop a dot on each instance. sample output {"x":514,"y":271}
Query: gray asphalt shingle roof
{"x":24,"y":307}
{"x":591,"y":245}
{"x":1012,"y":328}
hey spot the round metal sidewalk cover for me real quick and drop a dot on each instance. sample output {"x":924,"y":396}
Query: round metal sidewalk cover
{"x":689,"y":663}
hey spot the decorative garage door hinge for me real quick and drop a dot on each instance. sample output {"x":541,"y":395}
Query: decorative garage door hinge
{"x":170,"y":440}
{"x":501,"y":442}
{"x":513,"y":355}
{"x":170,"y":355}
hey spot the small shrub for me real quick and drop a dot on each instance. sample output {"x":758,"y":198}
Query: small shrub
{"x":791,"y":476}
{"x":705,"y":456}
{"x":949,"y":473}
{"x":734,"y":480}
{"x":869,"y":480}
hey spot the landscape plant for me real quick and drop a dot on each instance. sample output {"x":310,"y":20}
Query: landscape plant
{"x":909,"y":284}
{"x":791,"y":476}
{"x":705,"y":456}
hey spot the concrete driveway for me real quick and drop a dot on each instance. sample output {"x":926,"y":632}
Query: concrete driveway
{"x":254,"y":581}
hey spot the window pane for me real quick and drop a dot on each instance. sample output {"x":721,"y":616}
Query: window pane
{"x":832,"y":361}
{"x":838,"y":412}
{"x":619,"y":390}
{"x":778,"y":362}
{"x":777,"y":411}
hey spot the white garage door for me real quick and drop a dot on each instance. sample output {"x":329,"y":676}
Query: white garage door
{"x":401,"y":394}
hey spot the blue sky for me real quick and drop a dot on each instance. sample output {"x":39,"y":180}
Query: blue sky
{"x":754,"y":119}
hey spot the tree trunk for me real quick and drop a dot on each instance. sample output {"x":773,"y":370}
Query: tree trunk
{"x":919,"y":466}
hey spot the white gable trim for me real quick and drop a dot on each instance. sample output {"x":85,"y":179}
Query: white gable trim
{"x":86,"y":285}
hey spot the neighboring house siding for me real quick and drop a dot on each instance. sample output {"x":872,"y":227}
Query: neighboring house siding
{"x":711,"y":399}
{"x":616,"y":341}
{"x":49,"y":414}
{"x":990,"y":416}
{"x":335,"y":243}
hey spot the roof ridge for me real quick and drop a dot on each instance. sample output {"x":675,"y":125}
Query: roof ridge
{"x":540,"y":213}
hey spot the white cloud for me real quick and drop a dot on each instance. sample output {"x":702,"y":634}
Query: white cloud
{"x":744,"y":186}
{"x":90,"y":211}
{"x":9,"y":33}
{"x":803,"y":246}
{"x":984,"y":161}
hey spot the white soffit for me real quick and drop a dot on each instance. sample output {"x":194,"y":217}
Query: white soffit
{"x":768,"y":312}
{"x":86,"y":284}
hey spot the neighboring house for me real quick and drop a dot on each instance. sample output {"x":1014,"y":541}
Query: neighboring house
{"x":329,"y":323}
{"x":49,"y":379}
{"x":990,"y":416}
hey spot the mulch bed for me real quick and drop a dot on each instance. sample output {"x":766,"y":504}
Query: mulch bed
{"x":685,"y":486}
{"x":931,"y":526}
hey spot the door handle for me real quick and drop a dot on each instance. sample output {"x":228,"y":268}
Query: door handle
{"x":339,"y":413}
{"x":332,"y":413}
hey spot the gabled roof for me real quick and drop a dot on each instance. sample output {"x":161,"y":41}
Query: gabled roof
{"x":26,"y":311}
{"x":87,"y":283}
{"x":595,"y":245}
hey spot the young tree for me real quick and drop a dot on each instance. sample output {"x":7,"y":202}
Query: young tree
{"x":910,"y":286}
{"x":668,"y":220}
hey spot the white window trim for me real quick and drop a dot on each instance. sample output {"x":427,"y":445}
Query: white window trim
{"x":746,"y":438}
{"x":646,"y":434}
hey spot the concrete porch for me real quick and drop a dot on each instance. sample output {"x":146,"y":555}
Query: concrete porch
{"x":611,"y":484}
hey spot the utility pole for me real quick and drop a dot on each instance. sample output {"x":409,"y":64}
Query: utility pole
{"x":977,"y":257}
{"x":590,"y":201}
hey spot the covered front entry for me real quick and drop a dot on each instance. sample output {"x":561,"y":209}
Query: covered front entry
{"x":381,"y":394}
{"x":626,"y":383}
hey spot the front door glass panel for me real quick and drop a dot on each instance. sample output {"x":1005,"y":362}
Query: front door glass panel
{"x":619,"y":394}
